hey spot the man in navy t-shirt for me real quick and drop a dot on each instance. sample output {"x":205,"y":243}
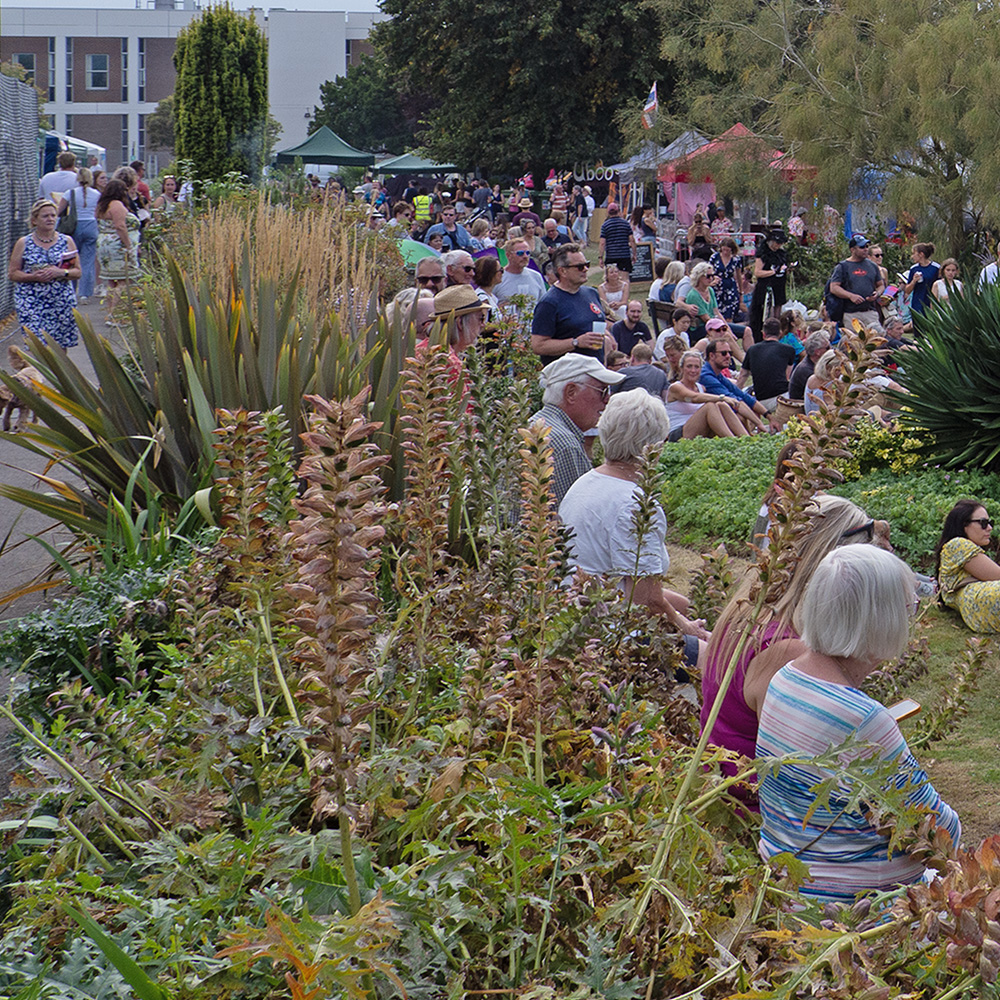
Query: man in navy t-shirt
{"x":565,"y":315}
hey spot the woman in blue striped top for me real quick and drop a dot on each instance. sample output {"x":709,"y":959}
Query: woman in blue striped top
{"x":853,"y":616}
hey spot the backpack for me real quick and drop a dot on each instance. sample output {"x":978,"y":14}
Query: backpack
{"x":833,"y":304}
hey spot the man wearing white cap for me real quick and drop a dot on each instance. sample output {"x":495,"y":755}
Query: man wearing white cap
{"x":576,"y":391}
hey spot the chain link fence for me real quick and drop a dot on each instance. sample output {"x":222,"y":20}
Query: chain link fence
{"x":18,"y":172}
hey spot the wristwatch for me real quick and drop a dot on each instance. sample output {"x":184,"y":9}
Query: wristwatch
{"x":576,"y":342}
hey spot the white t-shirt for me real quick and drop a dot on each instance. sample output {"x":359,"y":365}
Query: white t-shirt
{"x":659,"y":348}
{"x":528,"y":283}
{"x":940,"y":289}
{"x":86,"y":202}
{"x":989,"y":274}
{"x":683,"y":287}
{"x":56,"y":180}
{"x":598,"y":508}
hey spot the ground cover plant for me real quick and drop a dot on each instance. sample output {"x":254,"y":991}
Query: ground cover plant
{"x":382,"y":749}
{"x":713,"y":487}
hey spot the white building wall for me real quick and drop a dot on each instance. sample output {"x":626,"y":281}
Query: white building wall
{"x":305,"y":49}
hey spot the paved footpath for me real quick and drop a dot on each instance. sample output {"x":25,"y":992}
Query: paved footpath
{"x":21,"y":558}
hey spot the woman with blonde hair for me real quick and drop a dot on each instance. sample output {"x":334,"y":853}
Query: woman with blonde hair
{"x":694,"y":412}
{"x":43,"y":266}
{"x":480,"y":233}
{"x":613,"y":291}
{"x":832,"y":522}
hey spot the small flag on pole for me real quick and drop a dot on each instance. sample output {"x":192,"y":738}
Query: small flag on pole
{"x":649,"y":109}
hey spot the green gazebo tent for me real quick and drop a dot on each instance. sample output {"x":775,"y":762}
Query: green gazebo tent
{"x":325,"y":146}
{"x":411,"y":163}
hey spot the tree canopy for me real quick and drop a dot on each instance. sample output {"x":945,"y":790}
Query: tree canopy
{"x":905,"y":90}
{"x":221,"y":93}
{"x":523,"y":86}
{"x":366,"y":109}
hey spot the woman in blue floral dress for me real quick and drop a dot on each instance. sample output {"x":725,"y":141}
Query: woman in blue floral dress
{"x":729,"y":267}
{"x":43,"y":267}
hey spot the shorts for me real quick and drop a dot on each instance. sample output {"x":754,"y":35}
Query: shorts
{"x":624,"y":263}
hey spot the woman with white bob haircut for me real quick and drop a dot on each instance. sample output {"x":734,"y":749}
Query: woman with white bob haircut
{"x":853,"y":616}
{"x":599,"y":506}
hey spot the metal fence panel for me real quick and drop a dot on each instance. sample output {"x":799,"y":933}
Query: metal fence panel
{"x":18,"y":172}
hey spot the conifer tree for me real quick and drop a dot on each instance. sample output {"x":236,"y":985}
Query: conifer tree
{"x":221,"y":94}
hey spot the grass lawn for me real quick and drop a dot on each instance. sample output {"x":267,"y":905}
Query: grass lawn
{"x":965,"y":767}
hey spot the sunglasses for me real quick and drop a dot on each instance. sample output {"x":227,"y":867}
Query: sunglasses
{"x":605,"y":391}
{"x":866,"y":529}
{"x":983,"y":522}
{"x":577,"y":267}
{"x":520,"y":253}
{"x":434,"y":279}
{"x":468,"y":268}
{"x":724,"y":354}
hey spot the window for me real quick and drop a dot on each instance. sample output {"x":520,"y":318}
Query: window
{"x":69,"y":69}
{"x":125,"y":157}
{"x":52,"y":68}
{"x":97,"y":71}
{"x":124,"y":70}
{"x":141,"y":154}
{"x":142,"y":69}
{"x":69,"y":124}
{"x":26,"y":60}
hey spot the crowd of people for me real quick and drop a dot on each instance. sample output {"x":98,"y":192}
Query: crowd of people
{"x":86,"y":224}
{"x":731,"y":353}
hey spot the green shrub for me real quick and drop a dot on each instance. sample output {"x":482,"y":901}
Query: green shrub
{"x":82,"y":634}
{"x":714,"y":486}
{"x":916,"y":504}
{"x":952,"y":382}
{"x":874,"y":447}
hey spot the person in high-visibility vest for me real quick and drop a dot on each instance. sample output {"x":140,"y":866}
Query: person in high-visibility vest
{"x":422,"y":206}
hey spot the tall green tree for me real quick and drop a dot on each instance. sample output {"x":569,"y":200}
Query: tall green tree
{"x":519,"y":86}
{"x":221,"y":93}
{"x":907,"y":89}
{"x":365,"y":108}
{"x":160,"y":128}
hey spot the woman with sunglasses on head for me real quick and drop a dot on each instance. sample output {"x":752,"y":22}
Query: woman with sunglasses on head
{"x":693,"y":412}
{"x":969,"y":580}
{"x":832,"y":522}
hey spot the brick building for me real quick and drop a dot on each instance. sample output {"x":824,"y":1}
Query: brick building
{"x":104,"y":71}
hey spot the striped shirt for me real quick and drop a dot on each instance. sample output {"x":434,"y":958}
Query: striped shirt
{"x":616,"y":233}
{"x":803,"y":715}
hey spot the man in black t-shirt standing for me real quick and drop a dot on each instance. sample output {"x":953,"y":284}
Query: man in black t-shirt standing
{"x":859,"y":282}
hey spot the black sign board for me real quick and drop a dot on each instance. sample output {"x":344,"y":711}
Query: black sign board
{"x":642,"y":266}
